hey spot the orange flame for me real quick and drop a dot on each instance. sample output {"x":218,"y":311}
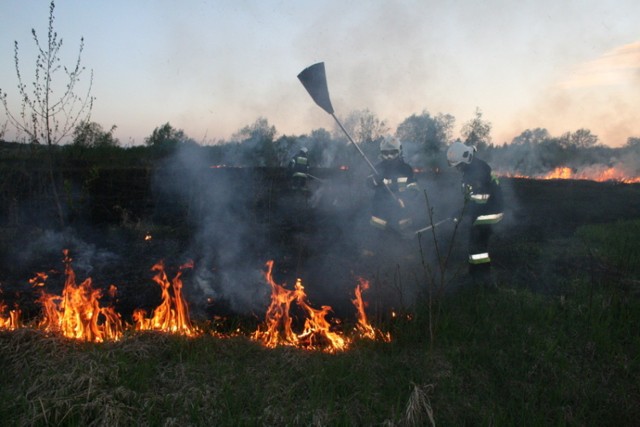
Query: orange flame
{"x":172,"y":315}
{"x":277,"y":328}
{"x":77,"y":313}
{"x":363,"y":327}
{"x":599,"y":174}
{"x":12,"y":321}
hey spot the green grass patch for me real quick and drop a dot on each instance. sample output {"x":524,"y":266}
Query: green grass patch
{"x":617,"y":244}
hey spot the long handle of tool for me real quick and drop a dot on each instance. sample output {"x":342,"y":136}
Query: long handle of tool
{"x":429,"y":227}
{"x":364,"y":156}
{"x":315,"y":177}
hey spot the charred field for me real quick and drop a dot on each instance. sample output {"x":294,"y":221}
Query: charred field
{"x":554,"y":344}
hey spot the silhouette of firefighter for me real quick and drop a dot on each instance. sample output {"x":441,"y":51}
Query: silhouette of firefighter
{"x":395,"y":189}
{"x":299,"y":170}
{"x":483,"y":207}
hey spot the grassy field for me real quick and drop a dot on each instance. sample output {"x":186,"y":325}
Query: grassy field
{"x":502,"y":357}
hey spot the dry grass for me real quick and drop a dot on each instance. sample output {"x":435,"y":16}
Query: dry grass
{"x":418,"y":410}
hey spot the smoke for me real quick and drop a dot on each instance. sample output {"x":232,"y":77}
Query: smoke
{"x":240,"y":218}
{"x":46,"y":249}
{"x":226,"y":237}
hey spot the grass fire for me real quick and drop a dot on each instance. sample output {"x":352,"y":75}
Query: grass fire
{"x":78,"y":313}
{"x":177,"y":293}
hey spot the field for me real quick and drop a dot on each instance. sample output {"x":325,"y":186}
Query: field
{"x":556,"y":343}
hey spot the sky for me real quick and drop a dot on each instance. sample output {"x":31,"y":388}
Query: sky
{"x":212,"y":67}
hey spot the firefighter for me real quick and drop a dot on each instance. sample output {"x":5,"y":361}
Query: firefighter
{"x":483,"y":207}
{"x":394,"y":186}
{"x":299,"y":168}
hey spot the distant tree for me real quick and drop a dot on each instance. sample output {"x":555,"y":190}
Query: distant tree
{"x":633,"y":142}
{"x":477,"y":132}
{"x":91,"y":134}
{"x":364,"y":127}
{"x":367,"y":130}
{"x":282,"y":148}
{"x":424,"y":137}
{"x":43,"y":115}
{"x":445,"y":124}
{"x":582,"y":138}
{"x":166,"y":137}
{"x":257,"y":144}
{"x":531,"y":137}
{"x":550,"y":154}
{"x":324,"y":151}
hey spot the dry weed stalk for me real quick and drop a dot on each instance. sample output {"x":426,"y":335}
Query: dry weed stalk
{"x":418,"y":407}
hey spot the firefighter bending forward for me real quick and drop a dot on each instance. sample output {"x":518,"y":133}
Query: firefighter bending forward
{"x":393,"y":186}
{"x":483,"y":203}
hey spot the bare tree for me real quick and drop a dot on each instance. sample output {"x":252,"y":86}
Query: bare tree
{"x":50,"y":110}
{"x":46,"y":115}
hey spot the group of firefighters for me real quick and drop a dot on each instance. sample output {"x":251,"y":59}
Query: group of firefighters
{"x":394,"y":185}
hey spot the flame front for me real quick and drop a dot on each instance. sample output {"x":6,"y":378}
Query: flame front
{"x":277,"y":327}
{"x":172,"y":315}
{"x":599,"y":174}
{"x":77,"y":313}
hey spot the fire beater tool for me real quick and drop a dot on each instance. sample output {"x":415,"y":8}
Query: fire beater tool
{"x":429,"y":227}
{"x":314,"y":80}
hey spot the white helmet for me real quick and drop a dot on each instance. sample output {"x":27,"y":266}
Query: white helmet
{"x":304,"y":150}
{"x":390,"y":148}
{"x":459,"y":153}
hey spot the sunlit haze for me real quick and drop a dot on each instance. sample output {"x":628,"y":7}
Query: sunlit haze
{"x":212,"y":67}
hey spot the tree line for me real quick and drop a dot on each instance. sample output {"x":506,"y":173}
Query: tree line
{"x":56,"y":110}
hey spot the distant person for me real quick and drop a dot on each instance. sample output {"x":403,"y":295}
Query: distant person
{"x":483,"y":207}
{"x":394,"y":186}
{"x":299,"y":169}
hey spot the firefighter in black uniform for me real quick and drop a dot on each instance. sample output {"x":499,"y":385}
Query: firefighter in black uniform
{"x":483,"y":206}
{"x":299,"y":168}
{"x":394,"y":186}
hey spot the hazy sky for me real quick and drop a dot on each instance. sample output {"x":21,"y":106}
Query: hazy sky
{"x":211,"y":67}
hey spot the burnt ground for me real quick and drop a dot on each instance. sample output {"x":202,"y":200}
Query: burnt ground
{"x":231,"y":234}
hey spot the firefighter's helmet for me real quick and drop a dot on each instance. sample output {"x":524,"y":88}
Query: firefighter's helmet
{"x":390,"y":148}
{"x":459,"y":152}
{"x":304,"y":150}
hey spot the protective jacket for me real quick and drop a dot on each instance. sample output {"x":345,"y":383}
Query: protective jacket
{"x":399,"y":178}
{"x":482,"y":192}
